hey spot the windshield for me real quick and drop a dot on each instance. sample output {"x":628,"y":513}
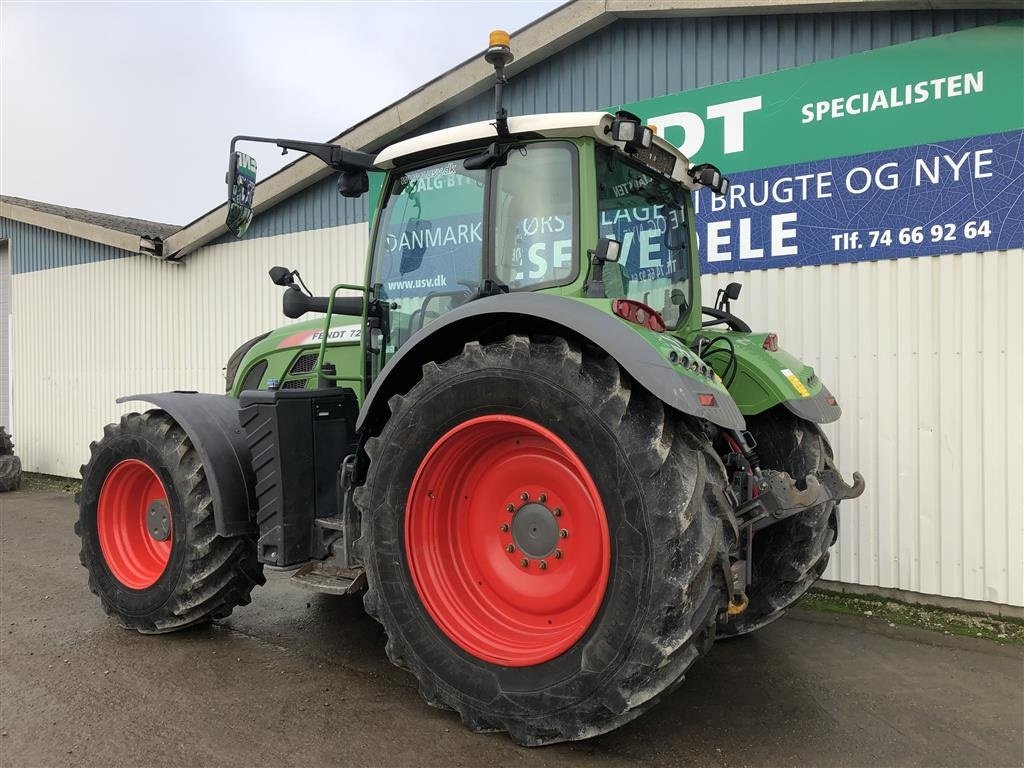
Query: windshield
{"x":645,"y":213}
{"x":428,"y":257}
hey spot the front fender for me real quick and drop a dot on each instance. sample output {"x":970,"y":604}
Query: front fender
{"x":765,"y":379}
{"x":645,"y":356}
{"x":211,"y":423}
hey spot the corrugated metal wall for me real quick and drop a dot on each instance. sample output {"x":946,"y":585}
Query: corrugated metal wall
{"x":926,"y":358}
{"x":87,"y":334}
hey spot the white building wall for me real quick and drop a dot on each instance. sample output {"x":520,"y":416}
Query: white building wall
{"x":86,"y":335}
{"x":925,"y":355}
{"x":927,"y":360}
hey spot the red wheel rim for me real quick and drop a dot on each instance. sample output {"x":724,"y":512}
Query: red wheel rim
{"x":132,"y":554}
{"x":482,"y":502}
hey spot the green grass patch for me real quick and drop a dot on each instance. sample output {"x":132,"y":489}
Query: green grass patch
{"x":1001,"y":629}
{"x":35,"y":481}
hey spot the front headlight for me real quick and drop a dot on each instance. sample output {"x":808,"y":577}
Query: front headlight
{"x":231,"y":369}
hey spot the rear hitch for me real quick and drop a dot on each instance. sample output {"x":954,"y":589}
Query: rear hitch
{"x":781,"y":497}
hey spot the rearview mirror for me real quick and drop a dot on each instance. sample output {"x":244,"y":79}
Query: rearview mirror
{"x":241,"y":188}
{"x":281,"y":276}
{"x":608,"y":250}
{"x":413,"y":245}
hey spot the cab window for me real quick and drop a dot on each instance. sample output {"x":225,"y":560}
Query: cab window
{"x":534,"y":216}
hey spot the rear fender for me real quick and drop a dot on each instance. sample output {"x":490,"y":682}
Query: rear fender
{"x":645,"y":355}
{"x":765,"y":379}
{"x":211,"y":423}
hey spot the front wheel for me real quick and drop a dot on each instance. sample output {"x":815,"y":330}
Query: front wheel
{"x":149,"y":540}
{"x":540,"y":538}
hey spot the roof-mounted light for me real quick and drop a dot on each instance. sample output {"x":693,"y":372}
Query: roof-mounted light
{"x":626,"y":128}
{"x":709,"y":176}
{"x":499,"y":37}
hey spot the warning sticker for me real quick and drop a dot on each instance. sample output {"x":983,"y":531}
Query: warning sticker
{"x":795,"y":381}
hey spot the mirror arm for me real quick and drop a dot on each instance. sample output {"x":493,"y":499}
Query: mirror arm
{"x":332,"y":155}
{"x":595,"y":283}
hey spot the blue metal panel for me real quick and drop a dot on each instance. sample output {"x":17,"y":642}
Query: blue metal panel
{"x":33,"y":248}
{"x":637,"y":59}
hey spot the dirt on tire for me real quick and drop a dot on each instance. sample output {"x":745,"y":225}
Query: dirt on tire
{"x":791,"y":555}
{"x":10,"y":473}
{"x":663,"y":489}
{"x":207,"y":574}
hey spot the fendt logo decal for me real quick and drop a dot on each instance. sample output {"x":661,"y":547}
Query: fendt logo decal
{"x":340,"y":334}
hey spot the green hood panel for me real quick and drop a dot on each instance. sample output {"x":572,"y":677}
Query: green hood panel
{"x":285,"y":345}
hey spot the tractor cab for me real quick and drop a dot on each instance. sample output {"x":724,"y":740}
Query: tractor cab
{"x":587,"y":205}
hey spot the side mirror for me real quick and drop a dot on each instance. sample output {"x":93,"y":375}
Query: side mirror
{"x":732,"y":290}
{"x":241,"y":188}
{"x":281,"y":276}
{"x":608,"y":250}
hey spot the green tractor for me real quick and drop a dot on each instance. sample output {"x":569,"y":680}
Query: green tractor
{"x":552,"y":474}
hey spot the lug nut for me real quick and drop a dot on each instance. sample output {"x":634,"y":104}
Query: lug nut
{"x":542,"y":565}
{"x":525,"y":563}
{"x":524,"y":496}
{"x":504,"y":527}
{"x":542,"y":498}
{"x":510,"y":507}
{"x":557,"y":512}
{"x":558,"y":554}
{"x":510,"y":547}
{"x":563,"y":534}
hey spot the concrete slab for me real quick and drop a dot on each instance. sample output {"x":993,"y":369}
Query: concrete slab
{"x":295,"y":679}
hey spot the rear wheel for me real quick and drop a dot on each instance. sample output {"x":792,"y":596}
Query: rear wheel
{"x":540,"y":539}
{"x":148,"y":535}
{"x":791,"y":555}
{"x":10,"y":473}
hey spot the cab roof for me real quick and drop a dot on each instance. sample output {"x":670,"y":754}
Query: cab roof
{"x":595,"y":125}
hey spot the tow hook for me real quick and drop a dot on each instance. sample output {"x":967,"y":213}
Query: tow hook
{"x":781,"y":497}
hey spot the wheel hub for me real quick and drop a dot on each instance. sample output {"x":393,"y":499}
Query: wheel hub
{"x":158,"y":520}
{"x":535,"y":530}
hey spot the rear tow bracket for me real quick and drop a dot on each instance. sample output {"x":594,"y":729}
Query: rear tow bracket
{"x":780,"y":496}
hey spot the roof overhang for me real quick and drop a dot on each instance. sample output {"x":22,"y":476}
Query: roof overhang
{"x":124,"y":241}
{"x":543,"y":38}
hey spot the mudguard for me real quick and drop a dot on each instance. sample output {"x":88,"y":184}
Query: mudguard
{"x":765,"y":378}
{"x":211,"y":423}
{"x":542,"y":313}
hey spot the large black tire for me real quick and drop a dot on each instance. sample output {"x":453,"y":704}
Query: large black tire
{"x":6,"y":443}
{"x":206,"y":575}
{"x":662,"y":488}
{"x":10,"y":473}
{"x":791,"y":555}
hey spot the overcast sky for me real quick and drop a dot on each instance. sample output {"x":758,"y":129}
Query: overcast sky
{"x":128,"y":108}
